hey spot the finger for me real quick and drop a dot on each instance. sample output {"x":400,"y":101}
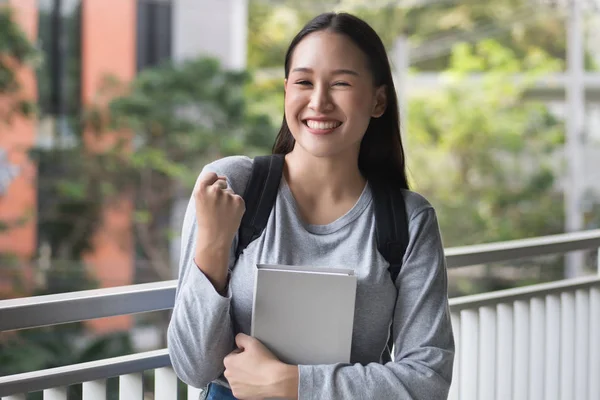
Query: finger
{"x":239,"y":200}
{"x":242,"y":340}
{"x":230,"y":357}
{"x":206,"y":179}
{"x":221,"y":183}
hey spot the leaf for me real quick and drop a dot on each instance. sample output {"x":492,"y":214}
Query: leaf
{"x":106,"y":346}
{"x":481,"y":154}
{"x":142,"y":216}
{"x":73,"y":190}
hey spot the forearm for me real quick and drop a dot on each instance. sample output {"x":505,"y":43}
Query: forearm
{"x":407,"y":380}
{"x":200,"y":332}
{"x":213,"y":261}
{"x":288,"y":380}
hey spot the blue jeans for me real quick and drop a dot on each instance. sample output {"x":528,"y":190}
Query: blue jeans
{"x":218,"y":392}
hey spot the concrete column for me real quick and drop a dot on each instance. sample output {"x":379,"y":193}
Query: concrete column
{"x":401,"y":63}
{"x":575,"y":124}
{"x":216,"y":28}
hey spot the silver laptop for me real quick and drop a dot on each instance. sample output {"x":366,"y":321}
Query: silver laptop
{"x":304,"y":315}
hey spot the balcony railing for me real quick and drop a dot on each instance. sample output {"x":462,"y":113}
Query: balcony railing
{"x":536,"y":342}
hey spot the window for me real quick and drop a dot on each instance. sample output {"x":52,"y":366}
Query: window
{"x":154,"y":26}
{"x":59,"y":78}
{"x":59,"y":101}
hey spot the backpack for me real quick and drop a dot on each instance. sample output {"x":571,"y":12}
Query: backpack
{"x":390,"y":216}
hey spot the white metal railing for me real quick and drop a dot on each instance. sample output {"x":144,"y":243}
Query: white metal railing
{"x":95,"y":371}
{"x":536,"y":342}
{"x":83,"y":305}
{"x":508,"y":319}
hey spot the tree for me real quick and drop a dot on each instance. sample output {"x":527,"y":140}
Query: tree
{"x":16,"y":51}
{"x":154,"y":134}
{"x":147,"y":141}
{"x":170,"y":121}
{"x":486,"y":159}
{"x":53,"y":346}
{"x":432,"y":26}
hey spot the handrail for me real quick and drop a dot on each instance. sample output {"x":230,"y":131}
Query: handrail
{"x":54,"y":309}
{"x":85,"y":372}
{"x":522,"y":293}
{"x":522,"y":248}
{"x":63,"y":308}
{"x":89,"y":304}
{"x":135,"y":363}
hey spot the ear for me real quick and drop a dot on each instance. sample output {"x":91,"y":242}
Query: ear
{"x":380,"y":102}
{"x":285,"y":81}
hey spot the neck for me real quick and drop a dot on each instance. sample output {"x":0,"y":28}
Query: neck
{"x":336,"y":178}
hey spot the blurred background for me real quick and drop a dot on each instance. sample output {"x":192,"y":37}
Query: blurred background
{"x":110,"y":108}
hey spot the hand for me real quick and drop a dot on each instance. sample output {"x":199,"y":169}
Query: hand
{"x":219,"y":211}
{"x":253,"y":372}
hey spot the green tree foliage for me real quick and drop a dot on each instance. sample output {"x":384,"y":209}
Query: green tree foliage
{"x":172,"y":120}
{"x":433,"y":27}
{"x":159,"y":130}
{"x":16,"y":51}
{"x":485,"y":158}
{"x":488,"y":160}
{"x":47,"y":347}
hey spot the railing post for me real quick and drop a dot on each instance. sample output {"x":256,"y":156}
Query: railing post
{"x":58,"y":393}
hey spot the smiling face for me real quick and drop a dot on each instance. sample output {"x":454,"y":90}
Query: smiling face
{"x":330,"y":96}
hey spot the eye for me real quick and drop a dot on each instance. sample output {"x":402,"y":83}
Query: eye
{"x":303,"y":83}
{"x":341,"y":84}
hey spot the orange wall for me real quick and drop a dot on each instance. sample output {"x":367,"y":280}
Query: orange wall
{"x":16,"y":139}
{"x":108,"y":47}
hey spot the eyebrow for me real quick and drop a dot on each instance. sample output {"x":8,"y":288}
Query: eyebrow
{"x":335,"y":72}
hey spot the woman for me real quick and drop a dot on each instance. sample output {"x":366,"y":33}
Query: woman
{"x":340,"y":131}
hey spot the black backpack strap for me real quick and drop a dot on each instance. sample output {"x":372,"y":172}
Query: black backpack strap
{"x":392,"y":225}
{"x":392,"y":235}
{"x":259,"y":197}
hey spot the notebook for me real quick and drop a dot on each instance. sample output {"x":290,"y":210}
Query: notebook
{"x":304,"y":315}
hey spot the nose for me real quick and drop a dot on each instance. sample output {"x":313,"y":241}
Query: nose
{"x":320,"y":100}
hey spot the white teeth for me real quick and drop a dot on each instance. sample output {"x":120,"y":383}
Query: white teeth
{"x":322,"y":124}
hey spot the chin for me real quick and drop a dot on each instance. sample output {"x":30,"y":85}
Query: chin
{"x":329,"y":150}
{"x":332,"y":145}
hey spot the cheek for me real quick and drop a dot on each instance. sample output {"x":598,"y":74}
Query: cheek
{"x":292,"y":107}
{"x":292,"y":103}
{"x":360,"y":105}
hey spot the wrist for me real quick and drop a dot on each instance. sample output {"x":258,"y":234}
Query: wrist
{"x":287,"y":381}
{"x":213,"y":243}
{"x":213,"y":261}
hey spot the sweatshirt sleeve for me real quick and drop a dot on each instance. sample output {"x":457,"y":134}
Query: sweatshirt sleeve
{"x":200,"y":332}
{"x":424,"y":343}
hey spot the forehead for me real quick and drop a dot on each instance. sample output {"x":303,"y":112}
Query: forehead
{"x":324,"y":50}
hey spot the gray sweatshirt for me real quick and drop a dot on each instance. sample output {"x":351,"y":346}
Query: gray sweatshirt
{"x":203,"y":323}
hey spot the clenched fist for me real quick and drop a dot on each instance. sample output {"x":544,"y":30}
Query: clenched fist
{"x":219,"y":212}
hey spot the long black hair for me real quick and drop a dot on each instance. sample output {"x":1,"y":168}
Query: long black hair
{"x":381,"y":156}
